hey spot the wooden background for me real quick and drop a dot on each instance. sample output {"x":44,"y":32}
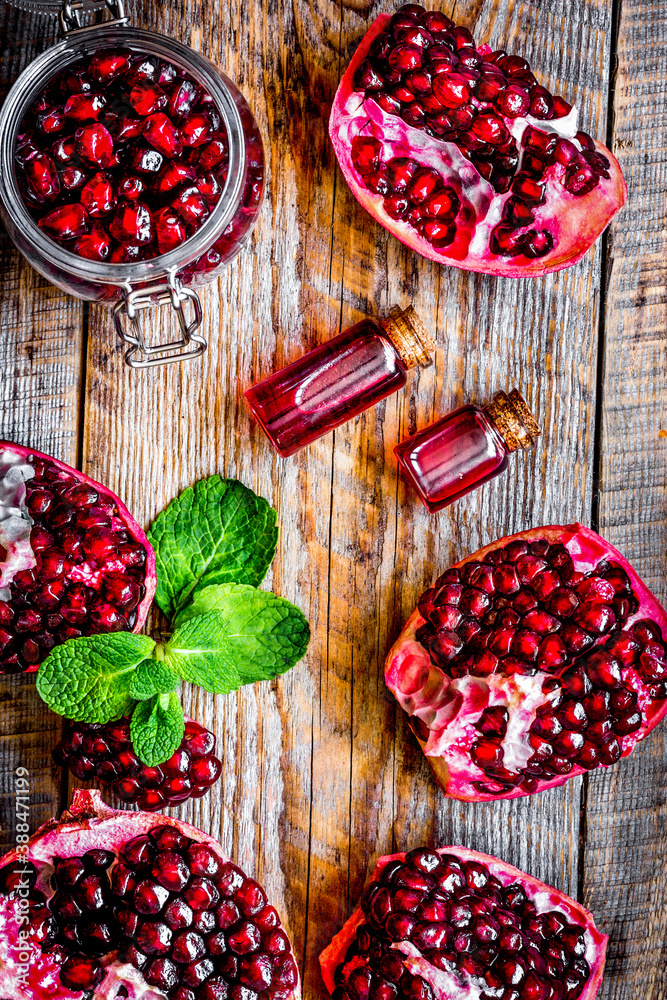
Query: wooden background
{"x":321,"y":774}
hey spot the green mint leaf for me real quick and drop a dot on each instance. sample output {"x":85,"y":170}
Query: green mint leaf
{"x":153,"y":677}
{"x":89,"y":679}
{"x":157,"y":728}
{"x":197,"y":651}
{"x":263,"y":635}
{"x":217,"y":531}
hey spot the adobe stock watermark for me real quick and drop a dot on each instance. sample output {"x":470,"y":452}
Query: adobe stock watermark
{"x":21,"y":873}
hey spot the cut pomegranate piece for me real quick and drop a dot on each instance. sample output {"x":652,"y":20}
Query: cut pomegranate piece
{"x":535,"y":659}
{"x":484,"y":128}
{"x":455,"y":923}
{"x":50,"y":583}
{"x":105,"y":896}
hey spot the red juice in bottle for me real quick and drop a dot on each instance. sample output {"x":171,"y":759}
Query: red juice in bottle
{"x":466,"y":448}
{"x":339,"y":379}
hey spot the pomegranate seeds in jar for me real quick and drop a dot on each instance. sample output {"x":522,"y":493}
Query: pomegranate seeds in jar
{"x":123,"y":157}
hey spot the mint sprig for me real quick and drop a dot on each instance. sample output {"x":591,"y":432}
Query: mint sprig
{"x":217,"y":531}
{"x":157,"y":728}
{"x":261,"y":634}
{"x":88,"y":679}
{"x":213,"y":546}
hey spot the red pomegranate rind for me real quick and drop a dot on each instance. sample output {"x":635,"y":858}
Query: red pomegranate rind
{"x":482,"y":732}
{"x":463,"y":985}
{"x":91,"y":825}
{"x":91,"y":567}
{"x":572,"y":222}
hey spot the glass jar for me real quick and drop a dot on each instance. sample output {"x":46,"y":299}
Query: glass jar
{"x":172,"y":277}
{"x":339,"y":379}
{"x":466,"y":448}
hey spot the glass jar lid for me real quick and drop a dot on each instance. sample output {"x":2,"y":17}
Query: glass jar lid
{"x":53,"y":7}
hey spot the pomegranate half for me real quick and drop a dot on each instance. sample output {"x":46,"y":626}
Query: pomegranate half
{"x":106,"y":905}
{"x":460,"y":153}
{"x":455,"y":924}
{"x":73,"y":561}
{"x":537,"y":658}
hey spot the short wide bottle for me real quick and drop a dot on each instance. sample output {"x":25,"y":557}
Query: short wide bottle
{"x":466,"y":448}
{"x":339,"y":379}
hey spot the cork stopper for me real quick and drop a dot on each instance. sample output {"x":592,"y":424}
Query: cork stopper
{"x":514,"y":420}
{"x":409,"y":336}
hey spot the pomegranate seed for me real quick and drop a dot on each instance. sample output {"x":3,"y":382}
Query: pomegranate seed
{"x":195,"y":130}
{"x":132,"y":224}
{"x":183,"y":98}
{"x":85,"y":107}
{"x":98,"y":196}
{"x":170,"y":230}
{"x":131,"y":188}
{"x":66,"y":223}
{"x":147,"y":98}
{"x":161,"y":134}
{"x":191,"y":206}
{"x":451,"y":89}
{"x":81,"y":972}
{"x":580,"y":180}
{"x":108,"y":65}
{"x":95,"y":145}
{"x":42,"y":177}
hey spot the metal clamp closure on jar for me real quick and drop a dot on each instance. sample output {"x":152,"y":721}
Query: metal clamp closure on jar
{"x":70,"y":15}
{"x":169,"y":293}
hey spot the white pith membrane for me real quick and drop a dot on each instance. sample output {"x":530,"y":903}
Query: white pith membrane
{"x":459,"y":984}
{"x":89,"y":824}
{"x":572,"y":221}
{"x":450,"y":708}
{"x":15,"y":521}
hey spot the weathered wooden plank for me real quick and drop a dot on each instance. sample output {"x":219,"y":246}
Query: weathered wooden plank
{"x":626,"y":825}
{"x":41,"y":350}
{"x":394,"y":802}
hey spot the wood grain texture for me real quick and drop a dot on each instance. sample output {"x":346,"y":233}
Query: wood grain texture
{"x":321,"y":774}
{"x":626,"y":820}
{"x":41,"y":351}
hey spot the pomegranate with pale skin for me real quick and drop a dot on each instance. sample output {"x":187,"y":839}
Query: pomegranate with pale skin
{"x":134,"y":906}
{"x":455,"y":924}
{"x":538,"y":658}
{"x":73,"y":561}
{"x":459,"y":152}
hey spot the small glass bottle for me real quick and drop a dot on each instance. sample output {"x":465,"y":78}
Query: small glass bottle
{"x":339,"y":379}
{"x":466,"y":448}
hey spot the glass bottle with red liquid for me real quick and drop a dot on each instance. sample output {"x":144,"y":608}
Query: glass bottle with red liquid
{"x":339,"y":379}
{"x":466,"y":448}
